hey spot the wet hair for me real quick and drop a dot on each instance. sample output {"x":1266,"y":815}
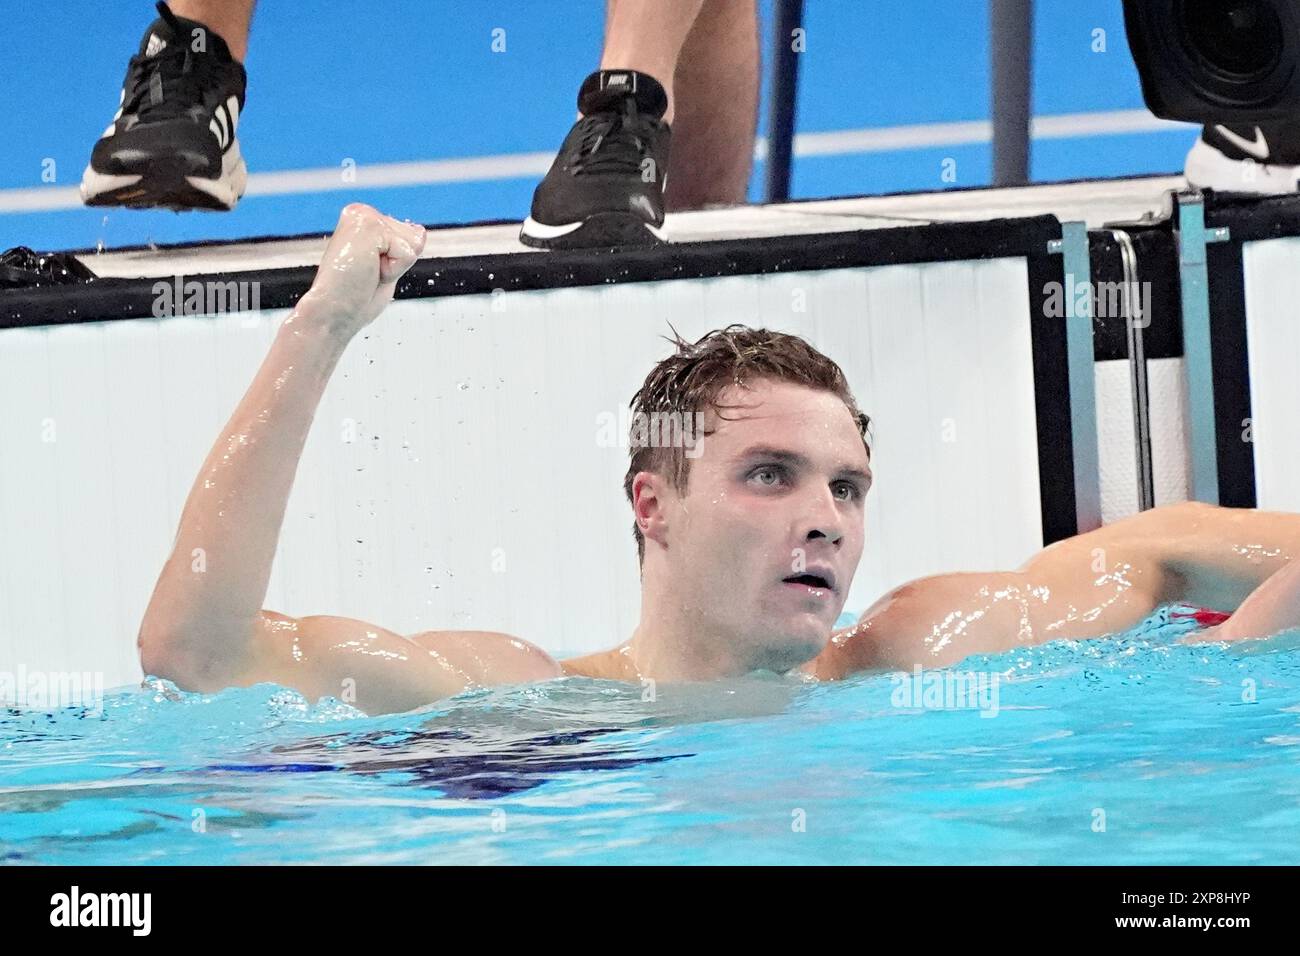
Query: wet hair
{"x":691,"y":380}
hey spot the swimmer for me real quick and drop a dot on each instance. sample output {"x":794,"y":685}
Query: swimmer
{"x":748,"y":543}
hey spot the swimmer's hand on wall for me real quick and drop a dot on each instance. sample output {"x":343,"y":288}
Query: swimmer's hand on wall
{"x":358,"y":274}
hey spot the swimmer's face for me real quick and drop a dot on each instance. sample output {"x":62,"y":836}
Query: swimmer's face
{"x":778,"y":491}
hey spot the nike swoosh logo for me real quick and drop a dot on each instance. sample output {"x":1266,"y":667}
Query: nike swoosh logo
{"x":1258,"y":148}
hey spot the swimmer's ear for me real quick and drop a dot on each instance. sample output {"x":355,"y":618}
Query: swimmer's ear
{"x":647,"y":506}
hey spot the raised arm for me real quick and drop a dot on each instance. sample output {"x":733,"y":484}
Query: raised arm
{"x":205,"y":627}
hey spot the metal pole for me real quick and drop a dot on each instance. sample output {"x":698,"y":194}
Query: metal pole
{"x":785,"y":81}
{"x":1011,"y":24}
{"x":1077,"y":267}
{"x":1198,"y":359}
{"x":1136,"y":321}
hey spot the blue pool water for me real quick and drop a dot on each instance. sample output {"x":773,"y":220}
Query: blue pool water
{"x":1131,"y":750}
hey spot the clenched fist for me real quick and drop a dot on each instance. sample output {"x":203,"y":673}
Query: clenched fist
{"x":365,"y":257}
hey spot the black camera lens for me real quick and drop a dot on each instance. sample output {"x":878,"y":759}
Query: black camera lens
{"x":1239,"y":39}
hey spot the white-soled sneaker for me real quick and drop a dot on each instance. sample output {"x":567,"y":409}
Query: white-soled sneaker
{"x":1245,"y":159}
{"x":172,"y":143}
{"x":606,"y":186}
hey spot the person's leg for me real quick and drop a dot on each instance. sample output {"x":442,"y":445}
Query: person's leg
{"x":229,"y":19}
{"x":607,"y":184}
{"x":716,"y":84}
{"x":647,"y":36}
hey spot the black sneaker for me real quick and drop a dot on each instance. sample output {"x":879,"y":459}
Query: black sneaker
{"x":606,"y":187}
{"x":1246,"y":159}
{"x":172,"y":143}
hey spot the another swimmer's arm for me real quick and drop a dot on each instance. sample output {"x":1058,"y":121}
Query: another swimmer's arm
{"x":205,"y":614}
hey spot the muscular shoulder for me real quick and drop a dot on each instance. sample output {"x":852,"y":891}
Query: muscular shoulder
{"x":931,"y":622}
{"x":490,"y":657}
{"x":939,"y":620}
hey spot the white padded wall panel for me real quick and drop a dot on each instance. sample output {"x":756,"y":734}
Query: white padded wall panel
{"x":453,"y":477}
{"x":1272,"y":285}
{"x":1116,"y":435}
{"x":1117,"y":458}
{"x":1167,"y":395}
